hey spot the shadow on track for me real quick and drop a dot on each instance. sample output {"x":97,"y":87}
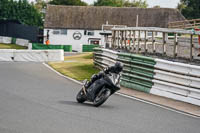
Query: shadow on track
{"x":85,"y":104}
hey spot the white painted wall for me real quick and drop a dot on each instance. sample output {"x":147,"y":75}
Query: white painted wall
{"x":69,"y":40}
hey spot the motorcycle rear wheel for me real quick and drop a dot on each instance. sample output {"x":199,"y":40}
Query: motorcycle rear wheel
{"x":101,"y":97}
{"x":80,"y":97}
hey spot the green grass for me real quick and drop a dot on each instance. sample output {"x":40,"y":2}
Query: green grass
{"x":89,"y":56}
{"x":78,"y":67}
{"x":11,"y":46}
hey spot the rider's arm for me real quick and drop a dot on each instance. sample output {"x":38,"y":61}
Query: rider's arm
{"x":109,"y":69}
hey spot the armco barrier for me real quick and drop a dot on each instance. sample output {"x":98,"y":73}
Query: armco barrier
{"x":138,"y":71}
{"x":31,"y":55}
{"x":160,"y":77}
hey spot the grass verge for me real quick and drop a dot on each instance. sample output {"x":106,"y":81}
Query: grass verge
{"x":78,"y":67}
{"x":11,"y":46}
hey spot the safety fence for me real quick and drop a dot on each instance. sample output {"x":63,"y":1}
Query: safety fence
{"x":186,"y":24}
{"x":172,"y":43}
{"x":160,"y":77}
{"x":31,"y":55}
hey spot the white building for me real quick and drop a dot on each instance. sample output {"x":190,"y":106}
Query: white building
{"x":78,"y":25}
{"x":74,"y":37}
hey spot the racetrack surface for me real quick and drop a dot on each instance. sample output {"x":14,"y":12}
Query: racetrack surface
{"x":34,"y":99}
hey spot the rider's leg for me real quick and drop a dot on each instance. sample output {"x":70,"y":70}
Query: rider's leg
{"x":93,"y":79}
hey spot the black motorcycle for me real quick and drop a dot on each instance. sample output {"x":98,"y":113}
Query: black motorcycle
{"x":100,"y":90}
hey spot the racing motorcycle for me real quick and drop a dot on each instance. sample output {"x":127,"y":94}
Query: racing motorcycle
{"x":107,"y":85}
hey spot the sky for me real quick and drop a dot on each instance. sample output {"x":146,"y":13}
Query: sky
{"x":151,"y":3}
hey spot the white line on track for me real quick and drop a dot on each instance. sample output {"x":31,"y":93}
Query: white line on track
{"x":158,"y":105}
{"x":127,"y":96}
{"x":78,"y":82}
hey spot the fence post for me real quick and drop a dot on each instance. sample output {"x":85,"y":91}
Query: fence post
{"x":118,"y":32}
{"x":112,"y":42}
{"x":133,"y":47}
{"x":129,"y":41}
{"x":191,"y":46}
{"x":164,"y":43}
{"x":122,"y":38}
{"x":175,"y":45}
{"x":145,"y":41}
{"x":153,"y":42}
{"x":125,"y":39}
{"x":138,"y":47}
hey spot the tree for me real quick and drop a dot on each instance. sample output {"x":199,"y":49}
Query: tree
{"x":190,"y":8}
{"x":136,"y":3}
{"x":68,"y":2}
{"x":157,"y":6}
{"x":20,"y":10}
{"x":114,"y":3}
{"x":40,"y":4}
{"x":122,"y":3}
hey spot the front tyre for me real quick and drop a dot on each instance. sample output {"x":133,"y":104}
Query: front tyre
{"x":81,"y":97}
{"x":101,"y":97}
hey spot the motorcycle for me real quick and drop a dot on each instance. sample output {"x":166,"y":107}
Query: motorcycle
{"x":107,"y":85}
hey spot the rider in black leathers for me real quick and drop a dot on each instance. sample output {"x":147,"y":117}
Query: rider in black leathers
{"x":117,"y":68}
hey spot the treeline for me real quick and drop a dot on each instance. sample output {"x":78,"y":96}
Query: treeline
{"x":20,"y":10}
{"x":114,"y":3}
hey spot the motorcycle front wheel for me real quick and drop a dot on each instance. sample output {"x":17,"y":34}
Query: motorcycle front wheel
{"x":101,"y":97}
{"x":81,"y":97}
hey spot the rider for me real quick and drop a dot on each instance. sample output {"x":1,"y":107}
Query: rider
{"x":117,"y":68}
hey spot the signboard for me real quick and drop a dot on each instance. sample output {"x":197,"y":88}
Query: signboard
{"x":77,"y":35}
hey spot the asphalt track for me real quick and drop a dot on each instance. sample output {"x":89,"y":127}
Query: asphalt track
{"x":34,"y":99}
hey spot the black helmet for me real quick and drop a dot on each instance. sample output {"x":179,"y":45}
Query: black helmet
{"x":118,"y":67}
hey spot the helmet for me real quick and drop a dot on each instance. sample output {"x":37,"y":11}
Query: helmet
{"x":118,"y":67}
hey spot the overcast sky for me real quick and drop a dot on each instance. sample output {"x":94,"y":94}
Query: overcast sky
{"x":151,"y":3}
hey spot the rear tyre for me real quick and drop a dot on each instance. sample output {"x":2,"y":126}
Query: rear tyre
{"x":81,"y":97}
{"x":101,"y":97}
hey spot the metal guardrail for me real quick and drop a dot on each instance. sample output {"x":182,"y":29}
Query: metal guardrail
{"x":165,"y":78}
{"x":137,"y":72}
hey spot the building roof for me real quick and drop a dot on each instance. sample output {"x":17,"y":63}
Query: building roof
{"x":90,"y":17}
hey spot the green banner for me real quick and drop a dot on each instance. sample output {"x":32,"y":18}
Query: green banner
{"x":37,"y":46}
{"x":89,"y":48}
